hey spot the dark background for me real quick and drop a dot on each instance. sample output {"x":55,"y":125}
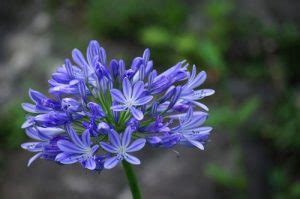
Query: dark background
{"x":250,"y":50}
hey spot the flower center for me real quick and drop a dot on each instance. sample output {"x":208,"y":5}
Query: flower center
{"x":122,"y":150}
{"x":88,"y":152}
{"x":129,"y":103}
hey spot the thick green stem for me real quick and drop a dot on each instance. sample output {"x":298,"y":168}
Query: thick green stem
{"x":132,"y":180}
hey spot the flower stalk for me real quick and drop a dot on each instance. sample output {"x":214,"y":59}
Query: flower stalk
{"x":132,"y":180}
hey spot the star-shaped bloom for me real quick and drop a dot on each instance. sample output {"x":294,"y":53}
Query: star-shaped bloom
{"x":191,"y":130}
{"x":132,"y":96}
{"x":189,"y":94}
{"x":77,"y":150}
{"x":120,"y":146}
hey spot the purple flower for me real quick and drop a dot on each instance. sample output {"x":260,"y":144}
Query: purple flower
{"x":95,"y":100}
{"x":165,"y":140}
{"x":42,"y":104}
{"x":46,"y":145}
{"x":69,"y":105}
{"x":190,"y":128}
{"x":131,"y":97}
{"x":96,"y":111}
{"x":79,"y":149}
{"x":188,"y":93}
{"x":162,"y":82}
{"x":157,"y":126}
{"x":120,"y":146}
{"x":52,"y":119}
{"x":142,"y":66}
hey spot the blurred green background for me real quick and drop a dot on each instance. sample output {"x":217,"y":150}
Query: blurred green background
{"x":250,"y":50}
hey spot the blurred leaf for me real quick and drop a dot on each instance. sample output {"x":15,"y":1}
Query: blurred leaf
{"x":11,"y":120}
{"x":225,"y":178}
{"x":247,"y":109}
{"x":211,"y":55}
{"x":295,"y":190}
{"x":187,"y":44}
{"x":156,"y":36}
{"x":233,"y":118}
{"x":126,"y":18}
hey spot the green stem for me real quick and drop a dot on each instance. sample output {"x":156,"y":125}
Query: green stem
{"x":132,"y":180}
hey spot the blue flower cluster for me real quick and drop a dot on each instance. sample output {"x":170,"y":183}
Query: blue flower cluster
{"x":100,"y":112}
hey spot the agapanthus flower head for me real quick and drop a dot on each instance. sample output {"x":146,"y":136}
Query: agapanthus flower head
{"x":99,"y":112}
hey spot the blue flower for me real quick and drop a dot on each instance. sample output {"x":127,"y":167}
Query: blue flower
{"x":77,"y":150}
{"x":51,"y":119}
{"x":69,"y":105}
{"x":157,"y":126}
{"x":190,"y":128}
{"x":162,"y":82}
{"x":46,"y":145}
{"x":190,"y":95}
{"x":142,"y":66}
{"x":120,"y":146}
{"x":95,"y":100}
{"x":131,"y":97}
{"x":42,"y":104}
{"x":166,"y":140}
{"x":65,"y":79}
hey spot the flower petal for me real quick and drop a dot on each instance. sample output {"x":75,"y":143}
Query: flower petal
{"x":33,"y":133}
{"x":108,"y":147}
{"x":36,"y":96}
{"x":33,"y":146}
{"x":92,"y":51}
{"x":132,"y":160}
{"x":197,"y":144}
{"x":127,"y":88}
{"x":114,"y":138}
{"x":136,"y":145}
{"x":117,"y":95}
{"x":86,"y":138}
{"x":138,"y":89}
{"x":66,"y":158}
{"x":137,"y":114}
{"x":33,"y":158}
{"x":200,"y":105}
{"x":34,"y":109}
{"x":126,"y":136}
{"x":75,"y":138}
{"x":28,"y":123}
{"x":69,"y":147}
{"x":111,"y":162}
{"x":200,"y":78}
{"x":143,"y":100}
{"x":118,"y":108}
{"x":79,"y":59}
{"x":89,"y":163}
{"x":49,"y":131}
{"x":199,"y":94}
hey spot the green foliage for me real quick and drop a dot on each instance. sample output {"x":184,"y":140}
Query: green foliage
{"x":206,"y":47}
{"x":233,"y":117}
{"x":226,"y":178}
{"x":11,"y":119}
{"x":284,"y":131}
{"x":283,"y":186}
{"x":125,"y":18}
{"x":156,"y":36}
